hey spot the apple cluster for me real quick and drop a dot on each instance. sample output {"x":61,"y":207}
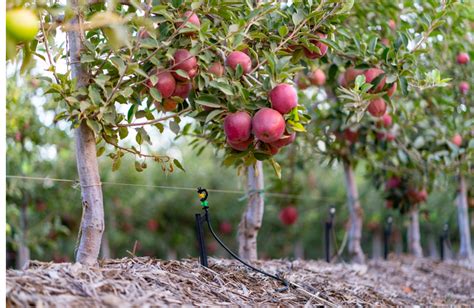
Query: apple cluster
{"x":401,"y":195}
{"x":175,"y":83}
{"x":266,"y":130}
{"x":377,"y":107}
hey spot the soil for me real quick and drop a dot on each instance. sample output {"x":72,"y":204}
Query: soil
{"x":145,"y":281}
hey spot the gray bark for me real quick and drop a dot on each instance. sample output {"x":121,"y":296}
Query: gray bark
{"x":377,"y":245}
{"x":251,"y":220}
{"x":92,"y":224}
{"x":414,"y":239}
{"x":105,"y":247}
{"x":23,"y":253}
{"x":356,"y":213}
{"x":465,"y":248}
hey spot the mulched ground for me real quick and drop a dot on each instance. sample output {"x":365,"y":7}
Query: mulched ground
{"x":150,"y":282}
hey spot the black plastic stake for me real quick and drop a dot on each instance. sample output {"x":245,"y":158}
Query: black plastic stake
{"x":200,"y":238}
{"x":327,"y":234}
{"x":387,"y":232}
{"x":441,"y":247}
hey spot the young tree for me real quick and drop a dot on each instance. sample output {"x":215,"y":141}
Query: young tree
{"x":362,"y":75}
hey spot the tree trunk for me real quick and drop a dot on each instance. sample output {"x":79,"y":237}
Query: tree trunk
{"x":105,"y":247}
{"x":414,"y":242}
{"x":356,"y":213}
{"x":432,"y":247}
{"x":23,"y":253}
{"x":92,"y":224}
{"x":465,"y":249}
{"x":252,"y":217}
{"x":377,"y":245}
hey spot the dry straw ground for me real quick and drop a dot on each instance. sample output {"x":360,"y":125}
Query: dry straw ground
{"x":150,"y":282}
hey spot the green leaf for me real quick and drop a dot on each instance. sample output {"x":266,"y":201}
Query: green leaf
{"x":373,"y":44}
{"x":298,"y":17}
{"x":123,"y":132}
{"x":174,"y":126}
{"x":94,"y":95}
{"x":178,"y":164}
{"x":213,"y":114}
{"x":100,"y":151}
{"x":224,"y":88}
{"x":155,"y":94}
{"x":119,"y":64}
{"x":182,"y":74}
{"x":276,"y":168}
{"x":403,"y":85}
{"x":283,"y":30}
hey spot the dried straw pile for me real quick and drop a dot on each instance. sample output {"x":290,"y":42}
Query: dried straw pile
{"x":149,"y":282}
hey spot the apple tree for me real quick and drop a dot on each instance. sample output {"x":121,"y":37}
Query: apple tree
{"x":352,"y":109}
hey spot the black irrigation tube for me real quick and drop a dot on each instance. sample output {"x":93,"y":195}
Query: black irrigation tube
{"x":285,"y":283}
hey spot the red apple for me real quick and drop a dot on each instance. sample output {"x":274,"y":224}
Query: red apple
{"x":393,"y":182}
{"x":462,"y":58}
{"x":317,"y":77}
{"x":390,"y":136}
{"x":463,"y":87}
{"x":166,"y":84}
{"x":351,"y":135}
{"x":268,"y":125}
{"x":184,"y":60}
{"x":350,"y":76}
{"x":191,"y":18}
{"x":225,"y":227}
{"x":370,"y":75}
{"x":302,"y":81}
{"x":288,"y":215}
{"x":169,"y":104}
{"x":152,"y":225}
{"x":386,"y":120}
{"x":237,"y":57}
{"x":323,"y":48}
{"x":237,"y":126}
{"x":182,"y":89}
{"x":240,"y":146}
{"x":392,"y":24}
{"x":457,"y":140}
{"x":217,"y":69}
{"x":283,"y":98}
{"x":284,"y":141}
{"x":377,"y":107}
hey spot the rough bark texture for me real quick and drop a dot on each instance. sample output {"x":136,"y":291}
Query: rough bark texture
{"x":252,"y":217}
{"x":465,"y":248}
{"x":92,"y":224}
{"x":356,"y":213}
{"x":414,"y":239}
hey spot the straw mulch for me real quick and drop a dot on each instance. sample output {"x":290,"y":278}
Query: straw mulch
{"x":150,"y":282}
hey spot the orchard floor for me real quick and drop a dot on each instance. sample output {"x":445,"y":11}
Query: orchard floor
{"x":150,"y":282}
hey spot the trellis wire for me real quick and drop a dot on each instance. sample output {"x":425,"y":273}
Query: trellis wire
{"x":225,"y":191}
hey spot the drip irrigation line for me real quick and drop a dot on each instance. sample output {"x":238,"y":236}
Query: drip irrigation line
{"x":285,"y":283}
{"x":225,"y":191}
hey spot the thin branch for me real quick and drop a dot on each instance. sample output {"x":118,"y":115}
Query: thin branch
{"x":162,"y":158}
{"x":151,"y":122}
{"x":46,"y":47}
